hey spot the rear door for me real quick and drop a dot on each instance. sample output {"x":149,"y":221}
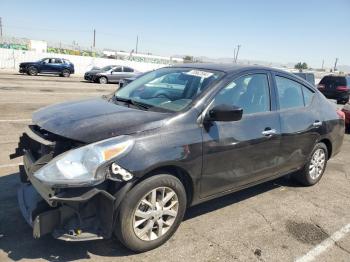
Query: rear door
{"x":116,"y":74}
{"x":300,"y":121}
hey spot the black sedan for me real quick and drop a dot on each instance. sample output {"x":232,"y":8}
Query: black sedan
{"x":131,"y":163}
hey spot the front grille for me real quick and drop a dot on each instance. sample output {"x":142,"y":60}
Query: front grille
{"x":43,"y":144}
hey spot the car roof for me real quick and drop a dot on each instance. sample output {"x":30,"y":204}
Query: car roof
{"x":227,"y":68}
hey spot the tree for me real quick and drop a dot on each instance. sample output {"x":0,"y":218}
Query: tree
{"x":301,"y":66}
{"x":188,"y":59}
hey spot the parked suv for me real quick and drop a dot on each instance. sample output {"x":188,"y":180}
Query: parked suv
{"x":60,"y":66}
{"x":132,"y":162}
{"x":336,"y":87}
{"x":114,"y":75}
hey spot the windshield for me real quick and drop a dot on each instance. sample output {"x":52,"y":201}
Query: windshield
{"x":171,"y":89}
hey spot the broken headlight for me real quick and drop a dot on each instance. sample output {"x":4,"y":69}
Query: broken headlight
{"x":79,"y":166}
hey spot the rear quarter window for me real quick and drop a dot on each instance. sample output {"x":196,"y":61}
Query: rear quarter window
{"x":289,"y":93}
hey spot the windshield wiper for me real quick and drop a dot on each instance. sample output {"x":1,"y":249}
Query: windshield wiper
{"x":133,"y":102}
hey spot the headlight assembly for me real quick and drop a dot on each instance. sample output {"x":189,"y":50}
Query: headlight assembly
{"x":78,"y":167}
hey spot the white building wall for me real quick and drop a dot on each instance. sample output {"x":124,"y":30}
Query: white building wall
{"x":10,"y":59}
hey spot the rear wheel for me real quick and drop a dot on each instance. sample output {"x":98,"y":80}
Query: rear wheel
{"x":151,"y":212}
{"x":315,"y":167}
{"x":103,"y":80}
{"x":32,"y":71}
{"x":65,"y":73}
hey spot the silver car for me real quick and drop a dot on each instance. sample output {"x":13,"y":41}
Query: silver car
{"x":115,"y":74}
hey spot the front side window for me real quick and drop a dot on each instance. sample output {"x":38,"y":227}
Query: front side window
{"x":250,"y":92}
{"x":289,"y":93}
{"x":169,"y":89}
{"x":118,"y":69}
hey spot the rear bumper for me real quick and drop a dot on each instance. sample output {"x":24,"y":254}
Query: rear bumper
{"x":72,"y":214}
{"x":22,"y":70}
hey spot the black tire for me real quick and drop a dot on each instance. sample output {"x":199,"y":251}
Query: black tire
{"x":125,"y":223}
{"x":65,"y":73}
{"x":304,"y":176}
{"x":103,"y":80}
{"x":32,"y":71}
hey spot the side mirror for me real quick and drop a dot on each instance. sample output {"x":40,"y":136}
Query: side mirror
{"x":224,"y":113}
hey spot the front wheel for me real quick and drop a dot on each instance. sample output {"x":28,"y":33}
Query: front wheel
{"x":151,"y":212}
{"x":32,"y":71}
{"x":103,"y":80}
{"x":315,"y":167}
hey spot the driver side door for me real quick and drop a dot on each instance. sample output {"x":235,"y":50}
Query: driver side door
{"x":238,"y":153}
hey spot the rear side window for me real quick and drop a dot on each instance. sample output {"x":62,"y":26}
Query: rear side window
{"x":334,"y":80}
{"x":308,"y":95}
{"x":128,"y":69}
{"x":289,"y":93}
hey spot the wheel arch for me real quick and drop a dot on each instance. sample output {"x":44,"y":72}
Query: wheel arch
{"x":176,"y":171}
{"x":329,"y":146}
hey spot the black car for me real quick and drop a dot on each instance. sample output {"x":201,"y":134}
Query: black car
{"x":132,"y":162}
{"x":335,"y":87}
{"x":60,"y":66}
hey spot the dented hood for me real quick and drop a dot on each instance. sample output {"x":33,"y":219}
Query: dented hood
{"x":95,"y":119}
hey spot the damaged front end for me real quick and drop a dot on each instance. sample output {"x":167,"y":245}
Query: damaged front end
{"x":69,"y":211}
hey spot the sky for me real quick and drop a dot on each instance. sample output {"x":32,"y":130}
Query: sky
{"x":271,"y":30}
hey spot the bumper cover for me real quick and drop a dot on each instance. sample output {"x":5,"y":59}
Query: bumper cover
{"x":74,"y":214}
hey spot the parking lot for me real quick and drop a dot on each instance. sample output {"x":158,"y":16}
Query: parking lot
{"x":275,"y":221}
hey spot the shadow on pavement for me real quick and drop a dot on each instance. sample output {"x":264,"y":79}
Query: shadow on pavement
{"x":16,"y":235}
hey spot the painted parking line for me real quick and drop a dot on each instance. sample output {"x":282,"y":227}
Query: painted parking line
{"x":324,"y":245}
{"x":15,"y":120}
{"x":10,"y":165}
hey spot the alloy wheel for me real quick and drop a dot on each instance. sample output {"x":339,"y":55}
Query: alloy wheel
{"x":155,"y":213}
{"x":317,"y":163}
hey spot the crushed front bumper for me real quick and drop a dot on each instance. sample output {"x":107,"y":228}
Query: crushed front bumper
{"x":71,"y":214}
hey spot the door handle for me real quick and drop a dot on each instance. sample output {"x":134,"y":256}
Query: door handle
{"x":269,"y":132}
{"x":317,"y":123}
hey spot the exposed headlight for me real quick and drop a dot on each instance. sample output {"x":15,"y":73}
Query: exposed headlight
{"x":79,"y":166}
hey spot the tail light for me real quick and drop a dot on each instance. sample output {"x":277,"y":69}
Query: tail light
{"x":320,"y":86}
{"x":341,"y":114}
{"x":342,"y":88}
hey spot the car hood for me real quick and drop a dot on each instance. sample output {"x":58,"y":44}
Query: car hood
{"x":92,"y":72}
{"x":27,"y":63}
{"x":95,"y":119}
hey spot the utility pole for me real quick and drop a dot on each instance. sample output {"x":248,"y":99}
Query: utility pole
{"x":137,"y":43}
{"x":322,"y":64}
{"x":0,"y":26}
{"x":335,"y":64}
{"x":234,"y":55}
{"x":94,"y":43}
{"x":238,"y":47}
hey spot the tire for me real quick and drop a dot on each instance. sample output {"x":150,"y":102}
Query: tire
{"x":65,"y":73}
{"x":129,"y":226}
{"x":103,"y":80}
{"x":309,"y":176}
{"x":32,"y":71}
